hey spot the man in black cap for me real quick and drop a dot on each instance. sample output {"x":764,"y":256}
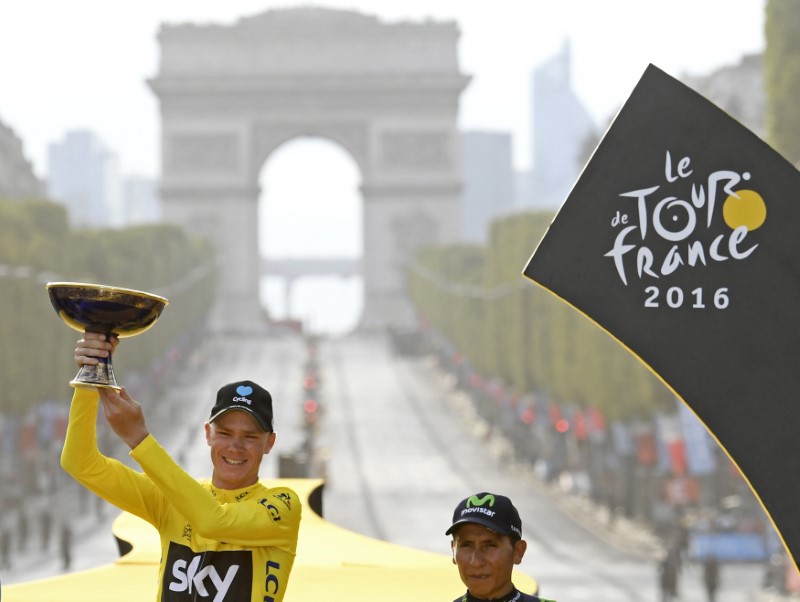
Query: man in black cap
{"x":230,"y":538}
{"x":487,"y":543}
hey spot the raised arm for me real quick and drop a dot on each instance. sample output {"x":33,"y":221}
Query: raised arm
{"x":81,"y":458}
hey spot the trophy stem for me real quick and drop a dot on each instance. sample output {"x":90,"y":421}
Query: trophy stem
{"x":96,"y":375}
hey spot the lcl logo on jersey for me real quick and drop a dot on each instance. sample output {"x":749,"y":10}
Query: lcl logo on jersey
{"x":216,"y":576}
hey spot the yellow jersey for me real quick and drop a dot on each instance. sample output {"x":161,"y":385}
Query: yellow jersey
{"x":218,"y":545}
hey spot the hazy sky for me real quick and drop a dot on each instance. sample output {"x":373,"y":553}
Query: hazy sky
{"x":83,"y":63}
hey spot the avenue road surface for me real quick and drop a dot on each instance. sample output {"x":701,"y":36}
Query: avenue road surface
{"x":398,"y":450}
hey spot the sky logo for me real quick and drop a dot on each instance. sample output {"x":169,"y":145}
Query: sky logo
{"x":213,"y":576}
{"x":191,"y":579}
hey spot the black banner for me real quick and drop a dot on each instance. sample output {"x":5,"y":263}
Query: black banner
{"x":681,"y":239}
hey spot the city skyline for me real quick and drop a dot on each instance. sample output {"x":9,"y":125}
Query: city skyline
{"x":84,"y":65}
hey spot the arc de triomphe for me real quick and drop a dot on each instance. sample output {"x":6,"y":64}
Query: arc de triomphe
{"x":387,"y":93}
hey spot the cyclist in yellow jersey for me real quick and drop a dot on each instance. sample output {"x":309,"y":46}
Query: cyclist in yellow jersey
{"x":227,"y":539}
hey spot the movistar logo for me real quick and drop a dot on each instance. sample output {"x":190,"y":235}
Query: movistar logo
{"x":476,"y":501}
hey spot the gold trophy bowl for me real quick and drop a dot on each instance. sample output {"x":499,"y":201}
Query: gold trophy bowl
{"x":108,"y":310}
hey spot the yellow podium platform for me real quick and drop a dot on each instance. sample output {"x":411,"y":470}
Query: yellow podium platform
{"x":332,"y":564}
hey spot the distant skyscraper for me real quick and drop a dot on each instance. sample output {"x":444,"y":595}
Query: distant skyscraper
{"x":141,"y":204}
{"x":561,"y":126}
{"x":488,"y":182}
{"x":84,"y":175}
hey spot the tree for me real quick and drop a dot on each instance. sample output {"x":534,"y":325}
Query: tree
{"x":36,"y":245}
{"x":782,"y":75}
{"x":511,"y":329}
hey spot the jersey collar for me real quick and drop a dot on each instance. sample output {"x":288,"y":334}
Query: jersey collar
{"x":511,"y":596}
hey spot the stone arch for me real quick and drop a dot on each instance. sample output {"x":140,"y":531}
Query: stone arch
{"x":386,"y":93}
{"x":301,"y":264}
{"x":267,"y":140}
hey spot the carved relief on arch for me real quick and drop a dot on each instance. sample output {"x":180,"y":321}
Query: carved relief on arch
{"x":202,"y":152}
{"x":419,"y":150}
{"x":267,"y":137}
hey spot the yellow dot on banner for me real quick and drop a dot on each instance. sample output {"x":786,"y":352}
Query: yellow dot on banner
{"x":744,"y":208}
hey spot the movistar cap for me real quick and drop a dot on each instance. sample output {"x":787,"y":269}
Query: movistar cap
{"x":495,"y":512}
